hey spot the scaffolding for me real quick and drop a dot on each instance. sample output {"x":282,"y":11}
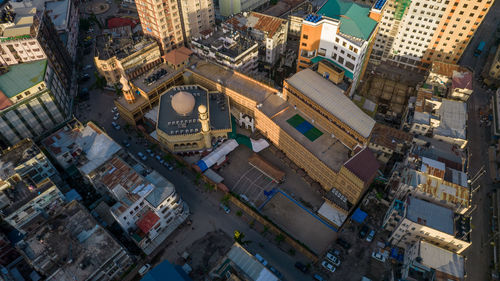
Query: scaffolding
{"x":401,"y":6}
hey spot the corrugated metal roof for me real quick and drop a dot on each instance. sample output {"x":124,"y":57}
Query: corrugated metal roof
{"x":430,"y":214}
{"x":453,"y":119}
{"x":441,"y":260}
{"x":249,"y":264}
{"x":332,"y":98}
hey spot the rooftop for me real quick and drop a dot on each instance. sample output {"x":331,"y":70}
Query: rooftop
{"x":268,"y":25}
{"x":120,"y":42}
{"x":354,"y":18}
{"x":438,"y":188}
{"x":58,"y":12}
{"x":332,"y":98}
{"x":430,"y":214}
{"x":173,"y":122}
{"x":21,"y":77}
{"x":229,"y":44}
{"x":155,"y":77}
{"x":441,"y":260}
{"x":363,"y":164}
{"x":282,"y":7}
{"x":453,"y":119}
{"x":178,"y":56}
{"x":249,"y":264}
{"x":166,"y":270}
{"x":87,"y":147}
{"x":389,"y":137}
{"x":70,"y":245}
{"x":440,"y":151}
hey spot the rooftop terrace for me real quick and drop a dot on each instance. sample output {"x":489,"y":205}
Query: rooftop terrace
{"x":21,"y":77}
{"x":155,"y":77}
{"x":227,"y":43}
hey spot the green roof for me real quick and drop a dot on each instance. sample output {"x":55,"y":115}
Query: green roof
{"x":354,"y":18}
{"x":347,"y":72}
{"x":22,"y":77}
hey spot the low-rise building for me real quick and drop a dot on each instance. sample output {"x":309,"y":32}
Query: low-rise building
{"x":233,"y":7}
{"x":425,"y":261}
{"x":239,"y":264}
{"x":30,"y":103}
{"x":84,"y":147}
{"x":385,"y":141}
{"x":450,"y":80}
{"x":120,"y":53}
{"x":440,"y":118}
{"x":270,"y":32}
{"x":231,"y":49}
{"x":416,"y":219}
{"x":148,"y":207}
{"x":66,"y":243}
{"x":25,"y":172}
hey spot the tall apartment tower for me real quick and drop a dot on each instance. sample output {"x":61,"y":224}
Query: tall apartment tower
{"x":172,"y":22}
{"x":414,"y":33}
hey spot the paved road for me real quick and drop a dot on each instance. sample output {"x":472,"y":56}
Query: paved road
{"x":206,"y":213}
{"x":479,"y":255}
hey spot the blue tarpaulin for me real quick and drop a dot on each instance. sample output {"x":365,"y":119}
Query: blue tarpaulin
{"x":359,"y":216}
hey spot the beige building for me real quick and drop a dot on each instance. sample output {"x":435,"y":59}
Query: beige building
{"x":190,"y":118}
{"x":414,"y":34}
{"x":125,"y":56}
{"x":495,"y":66}
{"x":415,"y":219}
{"x":172,"y":22}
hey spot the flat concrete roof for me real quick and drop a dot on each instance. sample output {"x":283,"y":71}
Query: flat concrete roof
{"x":142,"y":83}
{"x":329,"y":150}
{"x":229,"y":79}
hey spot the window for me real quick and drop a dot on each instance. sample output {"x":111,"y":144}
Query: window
{"x":305,"y":36}
{"x":304,"y":45}
{"x":337,"y":40}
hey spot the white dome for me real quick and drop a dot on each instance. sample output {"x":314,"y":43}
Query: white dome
{"x":183,"y":103}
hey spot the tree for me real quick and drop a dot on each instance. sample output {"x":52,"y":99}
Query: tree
{"x":279,"y":238}
{"x":239,"y":236}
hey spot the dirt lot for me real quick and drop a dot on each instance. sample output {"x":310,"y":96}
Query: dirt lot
{"x":299,"y":223}
{"x":206,"y":252}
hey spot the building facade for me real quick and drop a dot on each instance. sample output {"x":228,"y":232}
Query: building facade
{"x":233,"y":7}
{"x":415,"y":219}
{"x":29,"y":108}
{"x":127,"y":57}
{"x":416,"y":33}
{"x":341,"y":32}
{"x":172,"y":22}
{"x":234,"y":50}
{"x":270,"y":32}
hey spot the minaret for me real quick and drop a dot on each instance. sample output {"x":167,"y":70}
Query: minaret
{"x":205,"y":125}
{"x":128,"y":94}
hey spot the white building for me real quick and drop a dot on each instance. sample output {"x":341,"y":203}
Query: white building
{"x":32,"y":101}
{"x":425,"y":261}
{"x":228,"y":48}
{"x":232,"y":7}
{"x":270,"y":32}
{"x":196,"y":16}
{"x":415,"y":219}
{"x":148,"y":207}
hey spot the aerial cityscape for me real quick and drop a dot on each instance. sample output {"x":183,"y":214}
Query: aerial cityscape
{"x":252,"y":140}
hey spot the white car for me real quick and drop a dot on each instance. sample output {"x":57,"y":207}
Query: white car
{"x":335,"y":260}
{"x":116,"y":117}
{"x":144,"y":269}
{"x":370,"y":236}
{"x":328,"y":266}
{"x":261,"y":259}
{"x":378,"y":256}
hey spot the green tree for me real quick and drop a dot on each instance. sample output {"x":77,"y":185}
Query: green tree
{"x":279,"y":238}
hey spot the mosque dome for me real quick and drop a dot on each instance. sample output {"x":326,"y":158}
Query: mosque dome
{"x":183,"y":103}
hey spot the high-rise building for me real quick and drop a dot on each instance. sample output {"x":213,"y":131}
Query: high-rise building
{"x":341,"y":32}
{"x":415,"y":33}
{"x":28,"y":107}
{"x":172,"y":22}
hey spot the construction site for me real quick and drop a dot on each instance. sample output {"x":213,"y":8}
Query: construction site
{"x":389,"y":96}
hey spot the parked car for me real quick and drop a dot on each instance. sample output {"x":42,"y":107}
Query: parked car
{"x":276,"y":272}
{"x":302,"y":267}
{"x":335,"y":260}
{"x":144,"y":269}
{"x":364,"y":230}
{"x":370,"y":236}
{"x":226,"y":209}
{"x":328,"y":266}
{"x":115,"y":109}
{"x":261,"y":259}
{"x":336,"y":252}
{"x":142,"y":156}
{"x":158,"y":157}
{"x":87,"y":67}
{"x":378,"y":256}
{"x":343,"y":243}
{"x":126,"y":143}
{"x":318,"y":277}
